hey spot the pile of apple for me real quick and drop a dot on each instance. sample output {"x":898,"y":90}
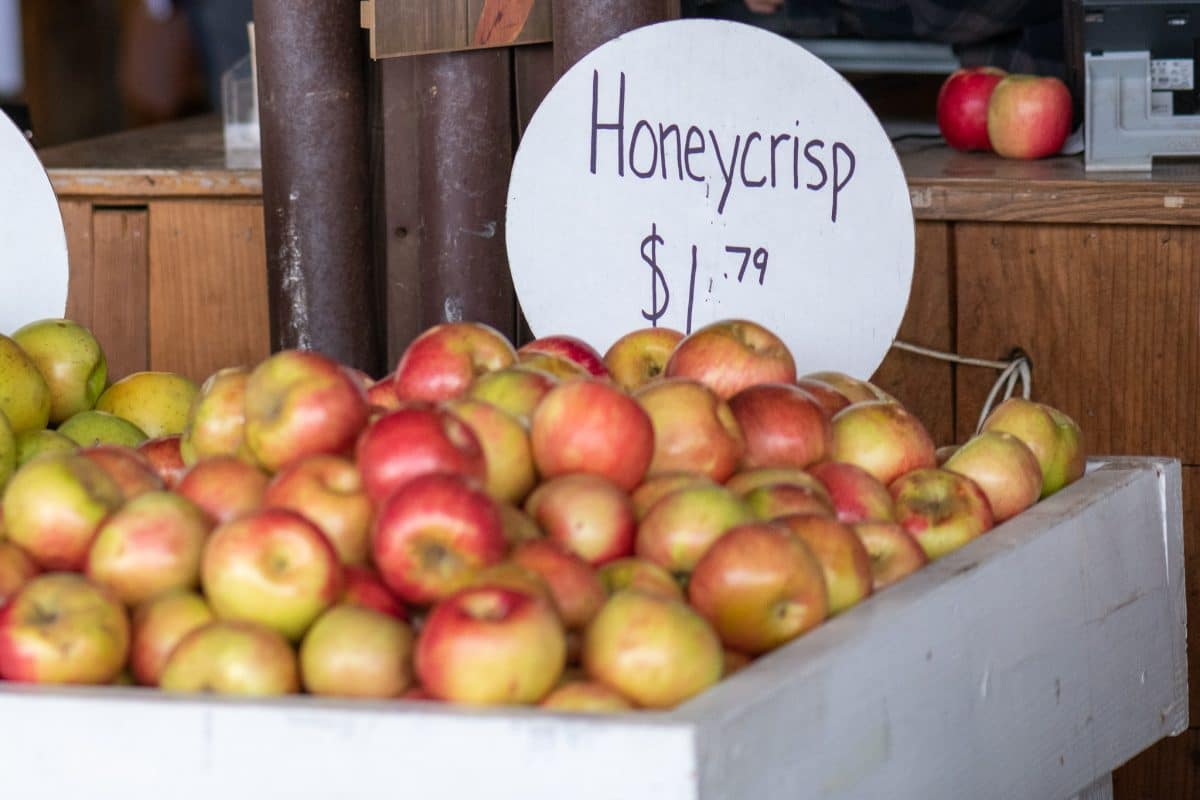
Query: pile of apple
{"x":485,"y":525}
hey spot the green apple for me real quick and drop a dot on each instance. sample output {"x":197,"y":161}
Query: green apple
{"x":32,"y":444}
{"x":91,"y":428}
{"x":157,"y":402}
{"x":24,"y":395}
{"x":8,"y":450}
{"x":71,"y":361}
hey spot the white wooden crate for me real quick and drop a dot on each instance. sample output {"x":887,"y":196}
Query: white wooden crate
{"x":1027,"y":665}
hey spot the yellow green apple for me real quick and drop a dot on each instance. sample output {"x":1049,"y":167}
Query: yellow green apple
{"x":32,"y":444}
{"x":156,"y":402}
{"x":24,"y":394}
{"x":352,"y":651}
{"x":229,"y":657}
{"x":91,"y":428}
{"x":71,"y":361}
{"x":216,"y":421}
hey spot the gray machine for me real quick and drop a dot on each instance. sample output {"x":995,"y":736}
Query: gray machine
{"x":1139,"y":75}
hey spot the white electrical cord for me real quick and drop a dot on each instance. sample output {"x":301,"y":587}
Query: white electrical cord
{"x":1019,"y":369}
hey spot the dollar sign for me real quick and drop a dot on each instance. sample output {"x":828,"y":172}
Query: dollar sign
{"x":650,"y":244}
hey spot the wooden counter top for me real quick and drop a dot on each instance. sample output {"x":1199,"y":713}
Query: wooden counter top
{"x":178,"y":159}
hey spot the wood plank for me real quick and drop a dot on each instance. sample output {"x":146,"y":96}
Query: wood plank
{"x":1170,"y":770}
{"x":208,"y":286}
{"x":924,"y":385}
{"x":1191,"y":552}
{"x":416,"y":27}
{"x":1108,"y":316}
{"x":77,"y":222}
{"x":119,"y":288}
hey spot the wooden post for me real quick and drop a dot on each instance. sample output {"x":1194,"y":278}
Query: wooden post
{"x":580,"y":26}
{"x":316,"y":192}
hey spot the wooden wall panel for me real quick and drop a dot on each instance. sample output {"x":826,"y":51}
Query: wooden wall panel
{"x":77,"y":222}
{"x":1108,"y":315}
{"x":208,"y":286}
{"x":119,"y":288}
{"x":926,"y":386}
{"x":1168,"y":771}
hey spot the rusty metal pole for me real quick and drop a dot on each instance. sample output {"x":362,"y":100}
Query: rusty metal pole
{"x":465,"y":156}
{"x":316,"y":192}
{"x":580,"y":26}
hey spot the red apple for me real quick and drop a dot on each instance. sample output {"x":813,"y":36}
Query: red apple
{"x":486,"y":646}
{"x":131,"y":470}
{"x":641,"y":356}
{"x":654,"y":489}
{"x":365,"y":588}
{"x":225,"y":487}
{"x":53,"y":506}
{"x":356,"y":652}
{"x":572,"y":349}
{"x":826,"y":395}
{"x":678,"y":529}
{"x":149,"y":546}
{"x":232,"y":657}
{"x":782,"y":499}
{"x":694,"y":430}
{"x":1054,"y":438}
{"x":216,"y":420}
{"x":743,"y":483}
{"x":1004,"y":468}
{"x":441,"y":362}
{"x":164,"y":455}
{"x":856,"y":495}
{"x":298,"y":404}
{"x":158,"y":626}
{"x":413,"y":441}
{"x":577,"y":590}
{"x":273,"y":568}
{"x":16,"y":570}
{"x":853,"y":389}
{"x":732,"y":355}
{"x":506,"y":448}
{"x":381,"y":395}
{"x":432,"y":534}
{"x":882,"y":438}
{"x":941,"y":509}
{"x":962,"y":107}
{"x":784,"y":426}
{"x":585,"y":697}
{"x":843,"y":558}
{"x":1029,"y":116}
{"x":329,"y":491}
{"x":759,"y":587}
{"x":60,"y":628}
{"x":587,"y":515}
{"x":516,"y":390}
{"x":592,"y":426}
{"x":655,"y":651}
{"x":640,"y":574}
{"x":894,"y":553}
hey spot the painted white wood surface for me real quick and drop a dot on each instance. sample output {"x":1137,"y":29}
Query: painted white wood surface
{"x":1027,"y":665}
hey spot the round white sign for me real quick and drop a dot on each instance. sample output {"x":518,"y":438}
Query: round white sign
{"x":698,"y":170}
{"x":33,"y":263}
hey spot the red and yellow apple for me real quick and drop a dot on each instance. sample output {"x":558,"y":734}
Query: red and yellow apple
{"x":216,"y":421}
{"x":882,"y":438}
{"x":506,"y":448}
{"x":894,"y":553}
{"x":679,"y":528}
{"x":1029,"y":116}
{"x":640,"y":574}
{"x":1004,"y":468}
{"x":843,"y":558}
{"x":517,"y":390}
{"x":225,"y":487}
{"x":16,"y":570}
{"x":441,"y":362}
{"x":587,"y":515}
{"x":158,"y":626}
{"x":329,"y":492}
{"x":571,"y":348}
{"x":732,"y":355}
{"x":942,"y":510}
{"x":576,"y":588}
{"x":585,"y":697}
{"x":783,"y":426}
{"x":352,"y":651}
{"x":232,"y":657}
{"x":1054,"y":438}
{"x":856,"y":494}
{"x":962,"y":107}
{"x":164,"y":455}
{"x":641,"y":356}
{"x":694,"y":430}
{"x":131,"y":470}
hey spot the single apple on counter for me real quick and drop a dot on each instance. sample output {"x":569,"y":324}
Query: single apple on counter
{"x":1054,"y":438}
{"x":70,"y":359}
{"x":572,"y":349}
{"x":759,"y":587}
{"x":783,"y":425}
{"x":678,"y":529}
{"x":16,"y":570}
{"x":882,"y":438}
{"x":732,"y":355}
{"x":894,"y":553}
{"x":225,"y":487}
{"x":783,"y":499}
{"x":299,"y":404}
{"x":216,"y":421}
{"x":591,"y":426}
{"x":150,"y":545}
{"x":60,"y":628}
{"x":655,"y":651}
{"x":506,"y":448}
{"x":441,"y":362}
{"x":585,"y":697}
{"x":641,"y":356}
{"x":272,"y":567}
{"x":53,"y":506}
{"x":491,"y":646}
{"x":329,"y":492}
{"x":576,"y":588}
{"x":587,"y":515}
{"x":416,"y":440}
{"x":1029,"y":116}
{"x":356,"y":652}
{"x":232,"y":657}
{"x":131,"y":470}
{"x":654,"y":489}
{"x":962,"y":107}
{"x":1004,"y":468}
{"x":26,"y":398}
{"x":164,"y":455}
{"x":365,"y":588}
{"x":942,"y":510}
{"x":156,"y":402}
{"x":843,"y":558}
{"x":856,"y":494}
{"x":432,"y":534}
{"x":640,"y":574}
{"x":517,"y":390}
{"x":694,"y":430}
{"x":158,"y":626}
